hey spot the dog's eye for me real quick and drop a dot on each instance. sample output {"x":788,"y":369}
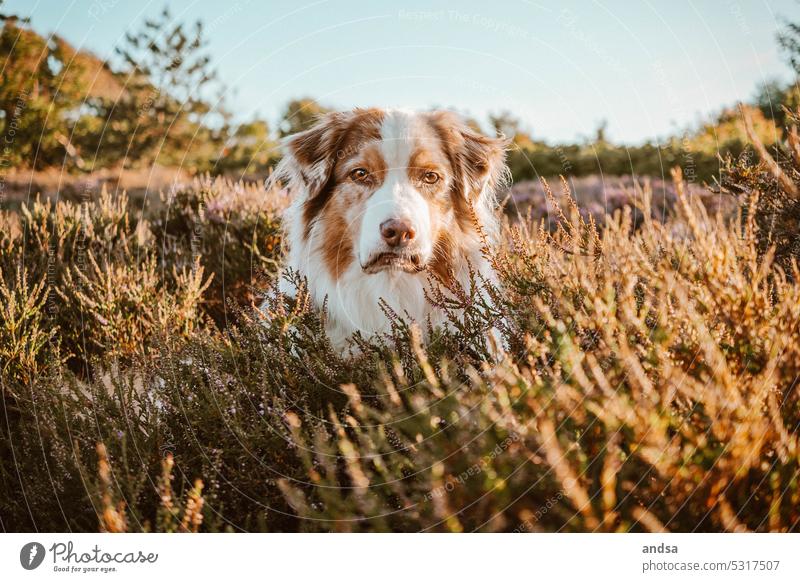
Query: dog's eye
{"x":430,"y":177}
{"x":359,"y":174}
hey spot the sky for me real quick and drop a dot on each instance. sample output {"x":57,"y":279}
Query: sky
{"x":648,"y":68}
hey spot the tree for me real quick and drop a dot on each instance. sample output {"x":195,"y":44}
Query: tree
{"x":168,"y":99}
{"x":600,"y":134}
{"x":300,"y":114}
{"x":40,"y":88}
{"x":505,"y":123}
{"x":509,"y":125}
{"x":13,"y":17}
{"x":248,"y":149}
{"x":789,"y":42}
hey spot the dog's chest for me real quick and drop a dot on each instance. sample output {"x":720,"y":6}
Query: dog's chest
{"x":364,"y":303}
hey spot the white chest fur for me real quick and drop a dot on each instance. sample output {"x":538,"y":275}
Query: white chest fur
{"x":356,"y":302}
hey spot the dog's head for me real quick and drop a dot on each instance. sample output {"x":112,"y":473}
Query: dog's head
{"x":389,"y":190}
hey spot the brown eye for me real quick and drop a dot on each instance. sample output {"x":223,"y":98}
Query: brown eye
{"x":359,"y":174}
{"x":430,"y":177}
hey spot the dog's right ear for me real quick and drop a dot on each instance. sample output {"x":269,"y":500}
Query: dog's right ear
{"x":309,"y":156}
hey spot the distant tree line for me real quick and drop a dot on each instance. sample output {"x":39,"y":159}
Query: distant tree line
{"x":159,"y":101}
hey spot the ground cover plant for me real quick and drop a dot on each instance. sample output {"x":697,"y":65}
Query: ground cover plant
{"x":648,"y":379}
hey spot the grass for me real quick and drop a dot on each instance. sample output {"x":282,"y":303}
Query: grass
{"x":650,"y":380}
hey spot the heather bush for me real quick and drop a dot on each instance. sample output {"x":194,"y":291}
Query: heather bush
{"x":24,"y":339}
{"x":658,"y":391}
{"x":233,"y":228}
{"x":110,"y":281}
{"x":767,"y":182}
{"x":647,"y":378}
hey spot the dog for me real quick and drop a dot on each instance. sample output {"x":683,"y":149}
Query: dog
{"x":381,"y":201}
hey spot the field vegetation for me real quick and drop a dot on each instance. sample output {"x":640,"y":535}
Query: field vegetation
{"x":647,"y":378}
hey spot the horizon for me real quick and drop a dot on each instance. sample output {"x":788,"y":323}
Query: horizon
{"x":629,"y":66}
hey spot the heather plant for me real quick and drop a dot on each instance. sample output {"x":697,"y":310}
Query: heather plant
{"x":616,"y":377}
{"x":24,"y":338}
{"x":119,"y":308}
{"x":654,"y":395}
{"x":110,"y":281}
{"x":232,"y":228}
{"x":634,"y":366}
{"x":767,"y":182}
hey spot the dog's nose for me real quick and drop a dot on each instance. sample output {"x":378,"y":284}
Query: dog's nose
{"x":397,"y":233}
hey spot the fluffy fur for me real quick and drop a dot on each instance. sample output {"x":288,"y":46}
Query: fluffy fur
{"x":354,"y":177}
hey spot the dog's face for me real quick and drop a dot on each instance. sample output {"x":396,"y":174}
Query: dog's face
{"x":390,"y":190}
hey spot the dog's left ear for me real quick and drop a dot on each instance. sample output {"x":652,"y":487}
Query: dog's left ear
{"x":484,"y":159}
{"x":478,"y":160}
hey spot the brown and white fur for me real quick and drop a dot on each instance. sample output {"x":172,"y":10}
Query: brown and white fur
{"x":381,"y":200}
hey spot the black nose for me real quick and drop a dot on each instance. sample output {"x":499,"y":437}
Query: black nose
{"x":397,"y":233}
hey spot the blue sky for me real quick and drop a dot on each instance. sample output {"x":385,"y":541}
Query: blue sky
{"x":648,"y":68}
